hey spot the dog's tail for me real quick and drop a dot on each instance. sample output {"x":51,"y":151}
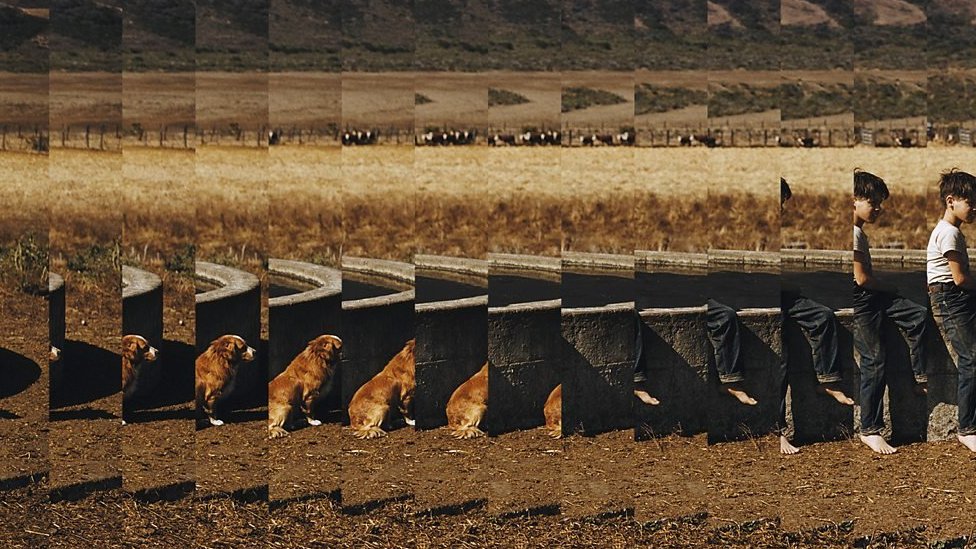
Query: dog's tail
{"x":467,"y":432}
{"x":368,"y":432}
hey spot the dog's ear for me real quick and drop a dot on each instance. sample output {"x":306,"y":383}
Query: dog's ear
{"x":130,"y":348}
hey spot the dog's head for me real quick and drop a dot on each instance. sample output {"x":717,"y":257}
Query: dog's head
{"x":232,"y":348}
{"x":327,"y":348}
{"x":136,"y":349}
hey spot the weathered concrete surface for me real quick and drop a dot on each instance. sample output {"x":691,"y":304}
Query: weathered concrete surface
{"x":142,"y":314}
{"x":234,"y":307}
{"x":56,"y":325}
{"x":676,"y":358}
{"x":294,"y":320}
{"x":375,"y":329}
{"x":452,"y":336}
{"x":55,"y":308}
{"x":599,"y":360}
{"x":525,"y":352}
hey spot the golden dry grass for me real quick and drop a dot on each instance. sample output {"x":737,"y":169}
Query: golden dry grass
{"x":240,"y":206}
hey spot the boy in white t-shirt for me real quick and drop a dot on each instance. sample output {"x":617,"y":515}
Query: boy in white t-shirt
{"x":873,"y":302}
{"x":952,"y":291}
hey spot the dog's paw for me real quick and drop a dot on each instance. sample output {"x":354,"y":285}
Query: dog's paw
{"x":314,"y":422}
{"x":216,"y":422}
{"x":276,"y":432}
{"x":410,"y":422}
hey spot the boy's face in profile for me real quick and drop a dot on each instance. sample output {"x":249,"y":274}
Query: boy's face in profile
{"x":866,"y":209}
{"x":961,"y":208}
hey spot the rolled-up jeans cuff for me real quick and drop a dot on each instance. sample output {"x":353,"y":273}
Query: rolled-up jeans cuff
{"x":640,"y":378}
{"x":828,"y":378}
{"x":921,"y":378}
{"x":967,"y":432}
{"x":871,"y":431}
{"x":731,"y":378}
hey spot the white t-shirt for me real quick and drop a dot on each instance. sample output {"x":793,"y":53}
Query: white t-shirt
{"x":945,"y":237}
{"x":861,"y":245}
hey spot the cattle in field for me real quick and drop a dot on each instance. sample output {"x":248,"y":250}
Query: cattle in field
{"x":274,"y":137}
{"x":588,"y":140}
{"x":500,"y":139}
{"x":626,"y":138}
{"x":359,"y":137}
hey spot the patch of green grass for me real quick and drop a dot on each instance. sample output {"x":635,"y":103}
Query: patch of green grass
{"x":24,"y":263}
{"x":649,"y":98}
{"x":584,"y":98}
{"x":498,"y":97}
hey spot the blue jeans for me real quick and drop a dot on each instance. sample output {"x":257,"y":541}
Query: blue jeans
{"x":870,"y":309}
{"x":819,"y":325}
{"x":954,"y":310}
{"x":723,"y":332}
{"x":640,"y":375}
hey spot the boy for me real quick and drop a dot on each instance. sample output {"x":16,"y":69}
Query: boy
{"x":952,"y":291}
{"x":873,"y":301}
{"x":819,"y":325}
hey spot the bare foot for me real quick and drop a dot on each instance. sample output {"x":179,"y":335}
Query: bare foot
{"x":786,"y":448}
{"x":740,"y":394}
{"x":646,"y":397}
{"x":838,"y":395}
{"x":969,"y":441}
{"x":921,"y":389}
{"x":877,"y":444}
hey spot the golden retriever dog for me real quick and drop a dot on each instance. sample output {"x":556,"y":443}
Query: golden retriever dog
{"x":215,"y":371}
{"x":393,"y":387}
{"x":135,"y":351}
{"x":300,"y":384}
{"x":467,"y":406}
{"x":553,"y":410}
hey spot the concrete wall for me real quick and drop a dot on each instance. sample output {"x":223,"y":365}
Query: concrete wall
{"x":374,"y":329}
{"x":676,"y":357}
{"x":142,"y":314}
{"x":452,"y":337}
{"x":525,"y":348}
{"x":525,"y":353}
{"x":55,"y":308}
{"x":233,"y":308}
{"x":599,"y":355}
{"x":56,"y":325}
{"x":294,"y":320}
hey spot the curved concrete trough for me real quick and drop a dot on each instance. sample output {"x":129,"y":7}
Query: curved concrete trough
{"x":233,"y":307}
{"x":525,"y":348}
{"x":142,"y":314}
{"x":679,"y":361}
{"x":599,"y":350}
{"x":909,"y":417}
{"x":56,"y":325}
{"x":374,"y":328}
{"x":452,"y":335}
{"x":296,"y":319}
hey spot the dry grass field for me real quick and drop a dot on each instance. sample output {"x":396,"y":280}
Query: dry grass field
{"x":393,"y":201}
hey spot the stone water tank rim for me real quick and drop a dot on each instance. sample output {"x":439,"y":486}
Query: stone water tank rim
{"x":327,"y":280}
{"x":231,"y":281}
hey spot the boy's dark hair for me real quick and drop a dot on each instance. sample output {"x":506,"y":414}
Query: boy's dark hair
{"x":958,"y":184}
{"x":867,"y":185}
{"x":784,"y":190}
